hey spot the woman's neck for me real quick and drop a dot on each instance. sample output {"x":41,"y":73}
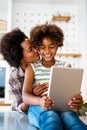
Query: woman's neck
{"x":23,"y":65}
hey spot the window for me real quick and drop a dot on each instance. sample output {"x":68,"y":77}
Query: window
{"x":2,"y":81}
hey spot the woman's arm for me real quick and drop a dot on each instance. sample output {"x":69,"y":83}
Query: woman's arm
{"x":39,"y":89}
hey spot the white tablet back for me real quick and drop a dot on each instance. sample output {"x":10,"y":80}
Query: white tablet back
{"x":64,"y":84}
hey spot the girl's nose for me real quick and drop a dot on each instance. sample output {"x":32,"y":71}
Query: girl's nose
{"x":47,"y":49}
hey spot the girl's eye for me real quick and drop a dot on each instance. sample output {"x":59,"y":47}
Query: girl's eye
{"x":52,"y":46}
{"x":42,"y":47}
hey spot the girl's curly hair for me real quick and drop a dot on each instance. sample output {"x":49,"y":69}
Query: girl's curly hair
{"x":39,"y":32}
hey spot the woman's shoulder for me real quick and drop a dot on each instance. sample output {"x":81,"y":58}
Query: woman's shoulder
{"x":14,"y":72}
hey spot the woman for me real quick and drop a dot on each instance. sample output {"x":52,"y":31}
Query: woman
{"x":18,"y":51}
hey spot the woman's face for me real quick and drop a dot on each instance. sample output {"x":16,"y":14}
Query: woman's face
{"x":30,"y":54}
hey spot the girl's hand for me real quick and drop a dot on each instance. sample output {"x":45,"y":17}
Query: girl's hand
{"x":76,"y":102}
{"x":46,"y":102}
{"x":39,"y":89}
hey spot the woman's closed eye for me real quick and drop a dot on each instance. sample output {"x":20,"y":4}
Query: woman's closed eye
{"x":29,"y":49}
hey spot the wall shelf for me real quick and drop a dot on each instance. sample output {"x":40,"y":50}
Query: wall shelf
{"x":5,"y":104}
{"x":3,"y":26}
{"x":60,"y":18}
{"x":69,"y":54}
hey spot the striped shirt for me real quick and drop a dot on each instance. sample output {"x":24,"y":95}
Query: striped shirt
{"x":42,"y":74}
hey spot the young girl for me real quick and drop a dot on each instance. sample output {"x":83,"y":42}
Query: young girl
{"x":47,"y":38}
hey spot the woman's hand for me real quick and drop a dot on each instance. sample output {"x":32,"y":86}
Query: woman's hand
{"x":76,"y":102}
{"x":46,"y":102}
{"x":39,"y":89}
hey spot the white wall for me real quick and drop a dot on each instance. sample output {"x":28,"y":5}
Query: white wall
{"x":84,"y":31}
{"x":3,"y":9}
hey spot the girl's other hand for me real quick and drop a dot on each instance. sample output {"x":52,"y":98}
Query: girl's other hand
{"x":46,"y":102}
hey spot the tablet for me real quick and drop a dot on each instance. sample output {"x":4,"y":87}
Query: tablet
{"x":63,"y":85}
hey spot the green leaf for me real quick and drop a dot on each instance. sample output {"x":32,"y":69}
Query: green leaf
{"x":83,"y":110}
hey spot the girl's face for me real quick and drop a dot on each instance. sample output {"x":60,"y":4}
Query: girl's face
{"x":48,"y":49}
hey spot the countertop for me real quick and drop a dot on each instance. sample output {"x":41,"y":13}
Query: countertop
{"x":14,"y":121}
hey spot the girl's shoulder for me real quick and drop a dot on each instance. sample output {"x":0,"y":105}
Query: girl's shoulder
{"x":36,"y":65}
